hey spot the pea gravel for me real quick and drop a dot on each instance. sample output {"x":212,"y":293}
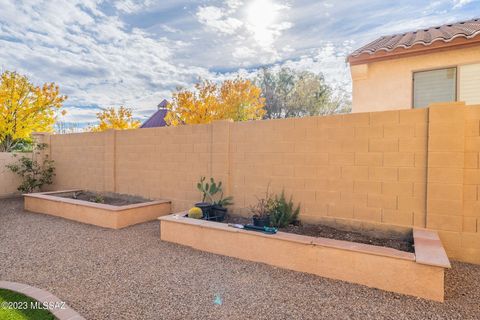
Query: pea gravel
{"x":131,"y":274}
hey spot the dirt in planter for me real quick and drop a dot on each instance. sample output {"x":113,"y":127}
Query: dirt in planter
{"x":104,"y":198}
{"x":402,"y":243}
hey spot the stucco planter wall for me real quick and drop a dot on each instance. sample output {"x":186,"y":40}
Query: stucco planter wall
{"x":98,"y":214}
{"x":418,"y":274}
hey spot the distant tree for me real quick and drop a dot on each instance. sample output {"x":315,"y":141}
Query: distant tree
{"x":25,"y":108}
{"x":237,"y":99}
{"x":63,"y":127}
{"x":290,"y":93}
{"x":118,"y":119}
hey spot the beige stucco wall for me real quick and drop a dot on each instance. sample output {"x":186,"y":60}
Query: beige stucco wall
{"x":9,"y":181}
{"x":387,"y":85}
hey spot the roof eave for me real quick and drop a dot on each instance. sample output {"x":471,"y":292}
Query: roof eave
{"x":417,"y":49}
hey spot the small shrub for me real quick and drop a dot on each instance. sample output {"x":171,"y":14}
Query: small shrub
{"x":34,"y":176}
{"x":195,"y":213}
{"x":264,"y":206}
{"x":283,"y":212}
{"x":97,"y":199}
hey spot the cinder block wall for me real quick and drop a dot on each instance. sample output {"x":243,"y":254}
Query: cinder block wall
{"x":407,"y":167}
{"x":453,"y":178}
{"x":368,"y":166}
{"x":163,"y":163}
{"x":79,"y":160}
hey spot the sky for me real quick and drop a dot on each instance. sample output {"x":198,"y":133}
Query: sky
{"x":135,"y":52}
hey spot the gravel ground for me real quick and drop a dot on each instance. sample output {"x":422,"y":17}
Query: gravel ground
{"x":131,"y":274}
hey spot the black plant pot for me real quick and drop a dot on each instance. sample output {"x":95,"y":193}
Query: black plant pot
{"x":261,"y":221}
{"x":217,"y":213}
{"x":206,"y":208}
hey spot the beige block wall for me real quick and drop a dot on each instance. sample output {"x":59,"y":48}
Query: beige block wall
{"x":369,"y":166}
{"x":9,"y":182}
{"x":79,"y":160}
{"x":387,"y":85}
{"x":454,"y":172}
{"x":402,"y":167}
{"x":163,"y":163}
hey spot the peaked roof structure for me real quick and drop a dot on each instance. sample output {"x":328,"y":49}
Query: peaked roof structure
{"x":158,"y":118}
{"x":414,"y":42}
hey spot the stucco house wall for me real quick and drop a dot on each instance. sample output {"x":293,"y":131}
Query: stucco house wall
{"x":387,"y":85}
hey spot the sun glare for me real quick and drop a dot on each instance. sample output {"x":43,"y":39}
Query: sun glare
{"x":261,"y":15}
{"x":261,"y":12}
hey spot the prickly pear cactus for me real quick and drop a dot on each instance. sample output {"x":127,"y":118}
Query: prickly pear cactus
{"x":195,"y":213}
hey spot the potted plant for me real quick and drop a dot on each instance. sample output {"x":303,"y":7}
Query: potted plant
{"x":219,"y":210}
{"x":212,"y":209}
{"x":262,"y":210}
{"x":206,"y":189}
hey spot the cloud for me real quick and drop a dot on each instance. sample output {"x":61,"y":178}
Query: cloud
{"x":134,"y":52}
{"x":234,"y":4}
{"x":461,"y":3}
{"x":218,"y":19}
{"x":80,"y":114}
{"x":94,"y":57}
{"x":244,"y":53}
{"x":329,"y":60}
{"x":132,"y":6}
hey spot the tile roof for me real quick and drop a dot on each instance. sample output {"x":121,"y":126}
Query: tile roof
{"x":425,"y":37}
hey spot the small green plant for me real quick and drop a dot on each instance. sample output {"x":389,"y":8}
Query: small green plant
{"x":213,"y":193}
{"x":97,"y":199}
{"x":23,"y":145}
{"x":195,"y":213}
{"x":283,"y":212}
{"x":208,"y":190}
{"x":34,"y":175}
{"x":224,"y":202}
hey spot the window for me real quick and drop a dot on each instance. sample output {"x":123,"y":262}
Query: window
{"x":469,"y":83}
{"x":434,"y":86}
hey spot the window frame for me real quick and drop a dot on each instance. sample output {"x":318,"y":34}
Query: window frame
{"x":459,"y":71}
{"x":456,"y":67}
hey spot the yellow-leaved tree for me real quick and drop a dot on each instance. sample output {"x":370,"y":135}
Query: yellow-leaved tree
{"x":118,"y":119}
{"x":25,"y":108}
{"x":238,"y":99}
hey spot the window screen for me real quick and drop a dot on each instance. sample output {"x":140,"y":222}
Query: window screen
{"x":434,"y":86}
{"x":469,"y":83}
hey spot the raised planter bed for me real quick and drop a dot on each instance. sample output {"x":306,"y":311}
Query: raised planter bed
{"x":419,"y":274}
{"x":124,"y":211}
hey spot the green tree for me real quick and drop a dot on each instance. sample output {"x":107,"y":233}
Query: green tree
{"x":290,"y":93}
